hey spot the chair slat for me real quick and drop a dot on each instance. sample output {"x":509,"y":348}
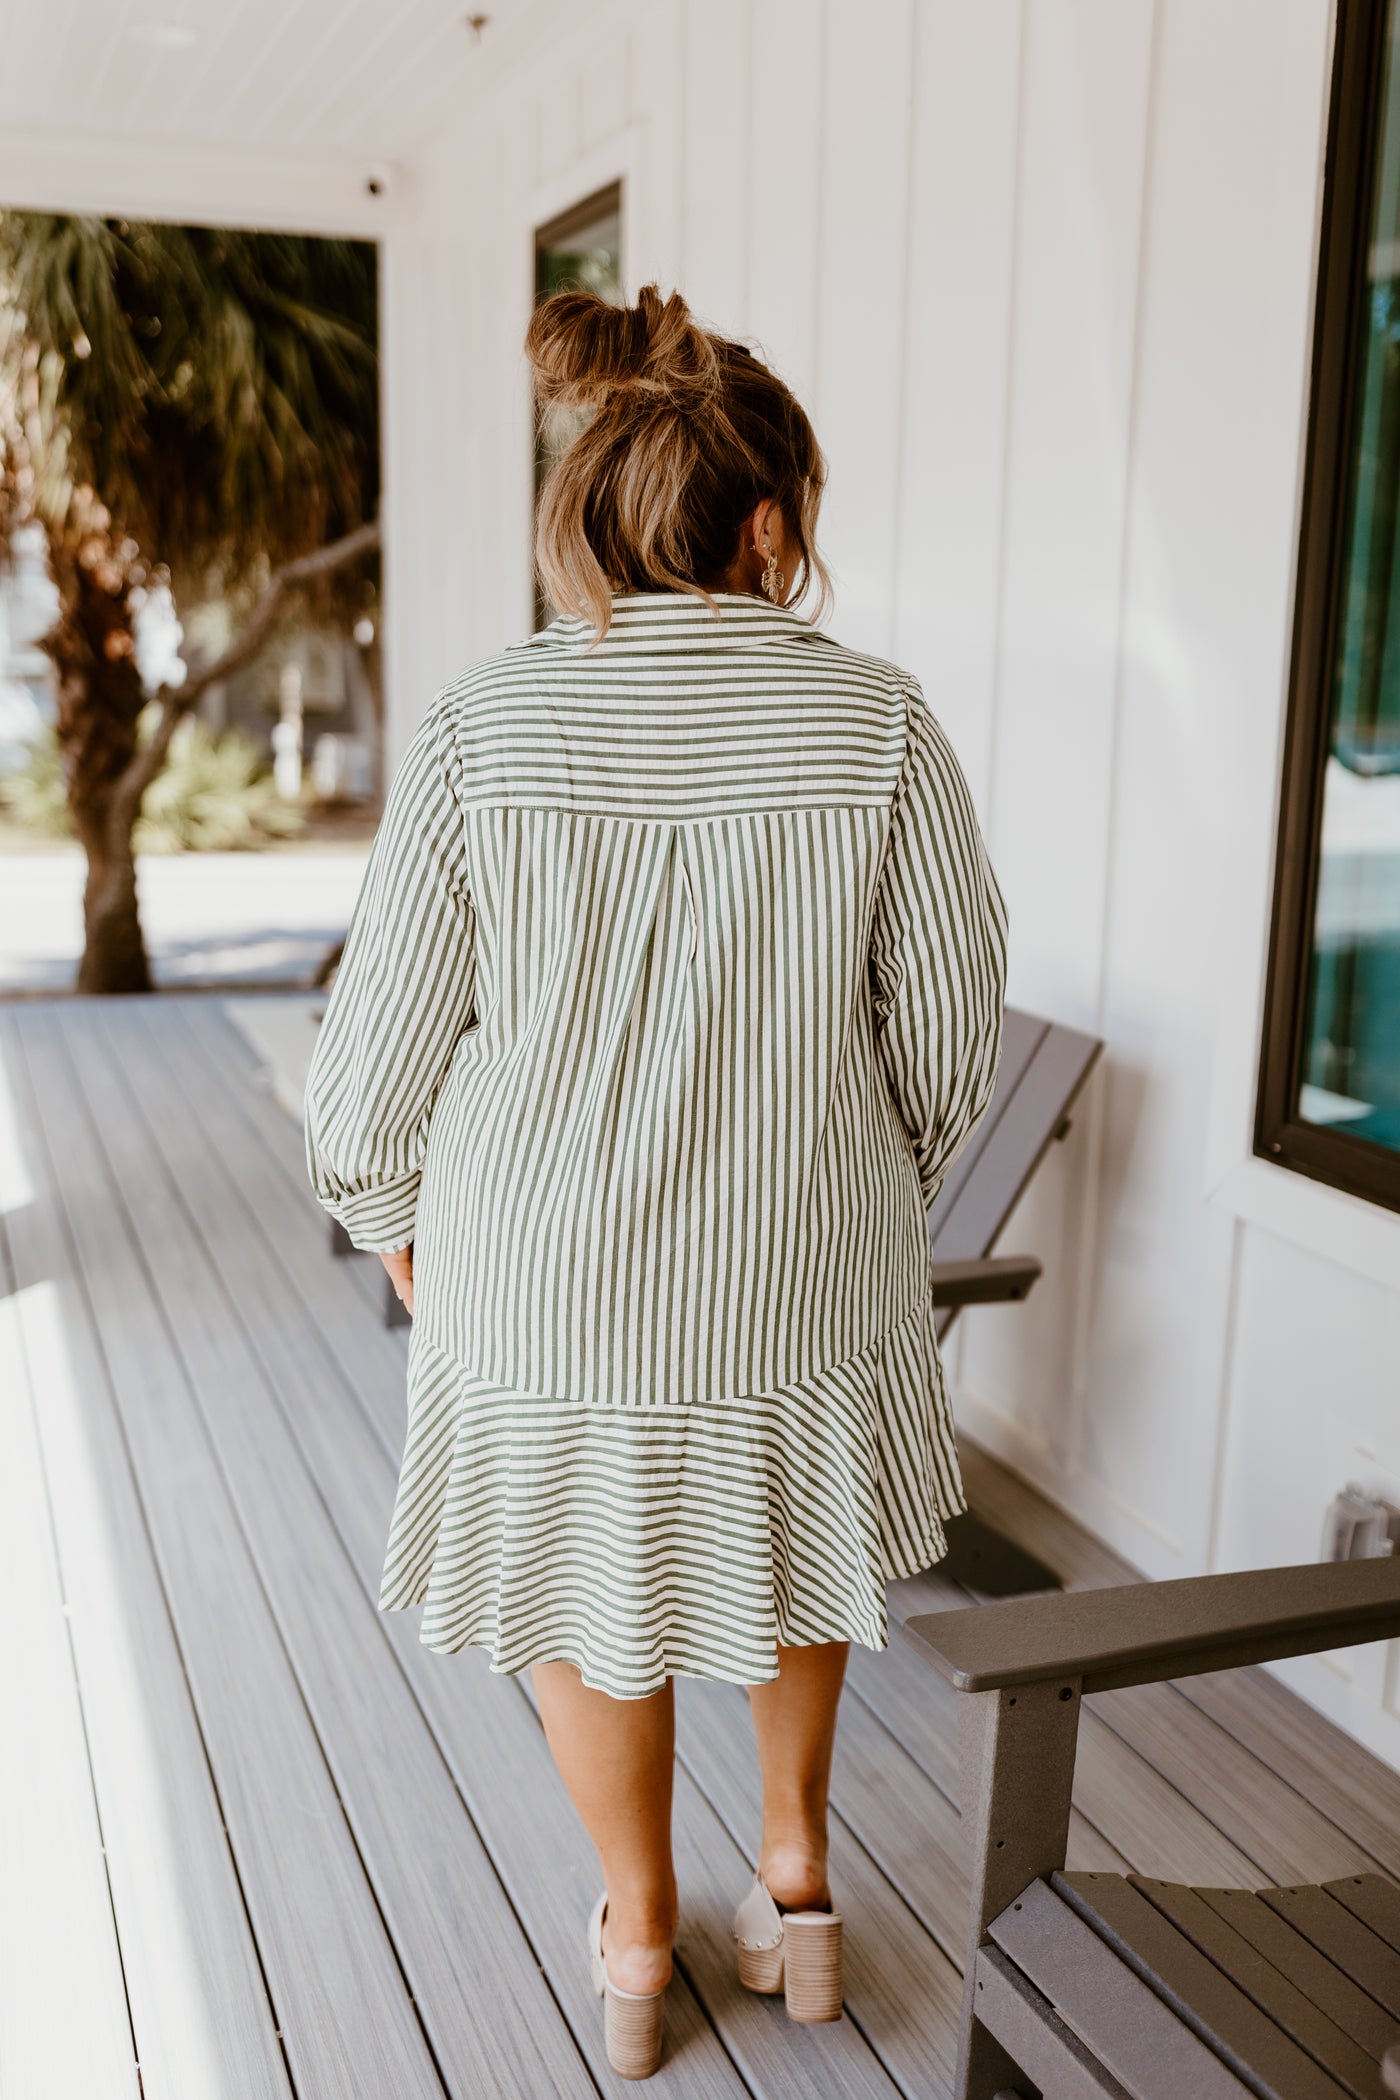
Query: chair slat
{"x":1329,"y":1987}
{"x":1336,"y":1932}
{"x":1021,"y":1036}
{"x":966,"y":1219}
{"x":1035,"y":2037}
{"x":1202,"y":1996}
{"x":1374,"y":1900}
{"x":1275,"y":1995}
{"x":1137,"y":2038}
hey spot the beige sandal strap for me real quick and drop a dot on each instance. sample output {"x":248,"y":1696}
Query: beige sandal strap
{"x":595,"y":1944}
{"x":758,"y":1923}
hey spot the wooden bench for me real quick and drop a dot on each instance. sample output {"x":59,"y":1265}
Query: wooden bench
{"x":1125,"y":1988}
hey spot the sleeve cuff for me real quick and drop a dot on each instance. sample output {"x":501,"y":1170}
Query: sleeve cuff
{"x":378,"y":1220}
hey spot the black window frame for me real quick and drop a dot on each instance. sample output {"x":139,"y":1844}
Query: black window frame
{"x":1353,"y":1165}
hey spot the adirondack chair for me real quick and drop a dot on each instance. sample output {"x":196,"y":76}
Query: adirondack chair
{"x":1125,"y":1988}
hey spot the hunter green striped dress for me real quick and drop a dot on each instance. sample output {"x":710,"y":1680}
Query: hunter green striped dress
{"x":673,"y":989}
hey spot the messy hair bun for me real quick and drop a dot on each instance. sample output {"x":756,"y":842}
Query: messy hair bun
{"x":687,"y":433}
{"x":583,"y":349}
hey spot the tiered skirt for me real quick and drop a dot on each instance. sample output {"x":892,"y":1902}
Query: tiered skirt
{"x":642,"y":1542}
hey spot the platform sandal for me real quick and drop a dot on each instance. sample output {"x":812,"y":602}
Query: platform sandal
{"x":631,"y":2019}
{"x":797,"y":1952}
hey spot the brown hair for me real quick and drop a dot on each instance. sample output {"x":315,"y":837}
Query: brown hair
{"x":687,"y":432}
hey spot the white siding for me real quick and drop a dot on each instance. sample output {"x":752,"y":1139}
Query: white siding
{"x":1044,"y":275}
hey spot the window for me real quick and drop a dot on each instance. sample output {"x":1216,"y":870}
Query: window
{"x":1329,"y":1096}
{"x":580,"y":250}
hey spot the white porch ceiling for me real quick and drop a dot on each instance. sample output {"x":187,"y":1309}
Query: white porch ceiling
{"x":364,"y":79}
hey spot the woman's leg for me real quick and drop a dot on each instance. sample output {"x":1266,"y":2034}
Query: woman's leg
{"x":616,"y":1757}
{"x":794,"y":1720}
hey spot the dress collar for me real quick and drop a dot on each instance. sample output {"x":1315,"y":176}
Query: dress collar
{"x":681,"y":620}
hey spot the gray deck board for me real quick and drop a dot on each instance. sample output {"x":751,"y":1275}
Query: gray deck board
{"x":227,"y":1431}
{"x":58,"y":1939}
{"x":198,"y":1998}
{"x":1339,"y":1776}
{"x":460,"y":1945}
{"x":341,"y":2001}
{"x":1281,"y":1831}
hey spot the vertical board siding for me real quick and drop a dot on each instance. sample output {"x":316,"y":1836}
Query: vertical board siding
{"x":785,"y":186}
{"x":522,"y":209}
{"x":1083,"y":136}
{"x":1259,"y":280}
{"x":652,"y":203}
{"x":555,"y":129}
{"x":1082,"y":166}
{"x":861,"y":304}
{"x":1205,"y":620}
{"x":952,"y":451}
{"x":718,"y":201}
{"x":484,"y":459}
{"x":1341,"y":1346}
{"x":602,"y":87}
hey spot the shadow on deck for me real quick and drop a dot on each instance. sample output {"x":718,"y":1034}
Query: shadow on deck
{"x":271,"y":1845}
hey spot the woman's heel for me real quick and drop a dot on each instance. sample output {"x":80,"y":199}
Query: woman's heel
{"x":811,"y":1961}
{"x":632,"y":2025}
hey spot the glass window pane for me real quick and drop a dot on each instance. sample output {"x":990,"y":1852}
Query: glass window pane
{"x":1351,"y":1070}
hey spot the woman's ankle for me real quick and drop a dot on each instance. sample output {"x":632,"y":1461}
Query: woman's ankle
{"x":794,"y":1870}
{"x":637,"y":1943}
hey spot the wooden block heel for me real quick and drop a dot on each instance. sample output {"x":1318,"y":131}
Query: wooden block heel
{"x":632,"y":2020}
{"x":632,"y":2031}
{"x":812,"y":1964}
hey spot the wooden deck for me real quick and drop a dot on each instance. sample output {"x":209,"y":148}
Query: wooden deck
{"x":257,"y":1838}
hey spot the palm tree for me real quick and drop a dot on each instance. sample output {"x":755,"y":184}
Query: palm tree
{"x":188,"y":405}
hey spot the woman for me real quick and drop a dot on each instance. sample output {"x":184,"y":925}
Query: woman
{"x":674,"y":988}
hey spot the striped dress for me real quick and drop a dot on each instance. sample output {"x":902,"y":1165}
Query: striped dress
{"x":673,"y":990}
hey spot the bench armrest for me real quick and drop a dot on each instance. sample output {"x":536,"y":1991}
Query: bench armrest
{"x":1150,"y":1631}
{"x":992,"y":1280}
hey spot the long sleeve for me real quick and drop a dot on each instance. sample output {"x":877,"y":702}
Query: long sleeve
{"x":401,"y":999}
{"x":937,"y":954}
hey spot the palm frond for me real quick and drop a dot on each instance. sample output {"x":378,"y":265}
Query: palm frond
{"x":218,"y":387}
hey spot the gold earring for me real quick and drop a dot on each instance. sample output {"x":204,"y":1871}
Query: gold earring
{"x":774,"y":582}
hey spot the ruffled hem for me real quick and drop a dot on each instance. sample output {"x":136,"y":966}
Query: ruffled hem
{"x":691,"y":1540}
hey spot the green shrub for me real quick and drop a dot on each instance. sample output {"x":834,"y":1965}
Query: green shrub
{"x":214,"y":794}
{"x":34,"y":797}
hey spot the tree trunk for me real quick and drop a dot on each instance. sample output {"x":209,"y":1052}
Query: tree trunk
{"x":114,"y":950}
{"x":100,"y":697}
